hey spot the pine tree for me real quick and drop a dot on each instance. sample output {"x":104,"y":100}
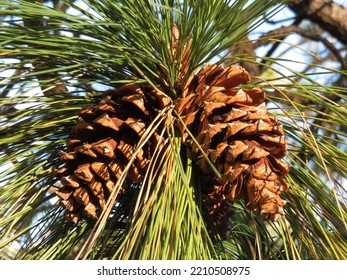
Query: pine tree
{"x":127,"y":134}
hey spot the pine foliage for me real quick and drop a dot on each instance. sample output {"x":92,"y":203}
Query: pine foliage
{"x":61,"y":68}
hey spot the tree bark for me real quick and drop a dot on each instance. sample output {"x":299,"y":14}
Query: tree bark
{"x":327,"y":14}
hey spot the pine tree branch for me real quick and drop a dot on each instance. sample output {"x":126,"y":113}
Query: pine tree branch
{"x":286,"y":30}
{"x":247,"y":47}
{"x":327,"y":14}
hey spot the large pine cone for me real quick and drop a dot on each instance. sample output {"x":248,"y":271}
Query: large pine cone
{"x":102,"y":144}
{"x":240,"y":139}
{"x":232,"y":126}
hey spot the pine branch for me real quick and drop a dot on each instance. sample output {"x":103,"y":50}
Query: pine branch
{"x":329,"y":15}
{"x":282,"y":32}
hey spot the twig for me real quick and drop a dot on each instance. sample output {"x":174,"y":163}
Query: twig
{"x":286,"y":30}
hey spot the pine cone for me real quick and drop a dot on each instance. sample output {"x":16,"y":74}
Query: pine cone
{"x":239,"y":137}
{"x":232,"y":126}
{"x":102,"y":144}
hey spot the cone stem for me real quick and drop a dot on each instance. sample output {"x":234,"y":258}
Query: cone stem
{"x":219,"y":176}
